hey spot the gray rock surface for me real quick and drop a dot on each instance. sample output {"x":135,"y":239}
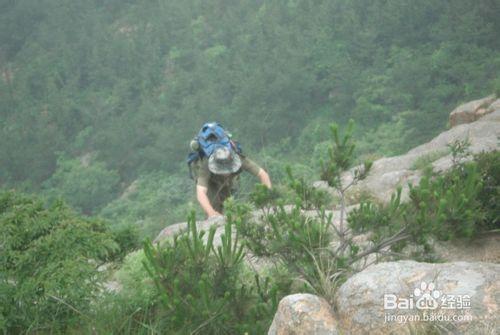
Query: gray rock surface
{"x":470,"y":111}
{"x":494,"y":106}
{"x":303,"y":314}
{"x":390,"y":172}
{"x":484,"y":248}
{"x":178,"y":228}
{"x":360,"y":300}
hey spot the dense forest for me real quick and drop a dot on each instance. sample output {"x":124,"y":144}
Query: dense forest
{"x":99,"y":101}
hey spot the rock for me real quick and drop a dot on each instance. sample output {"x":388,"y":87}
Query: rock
{"x":481,"y":112}
{"x":170,"y":231}
{"x":495,"y":106}
{"x":483,"y":248}
{"x":390,"y":172}
{"x":468,"y":292}
{"x":494,"y":116}
{"x":112,"y":286}
{"x":386,"y":176}
{"x":179,"y":228}
{"x":303,"y":314}
{"x":481,"y":134}
{"x":466,"y":113}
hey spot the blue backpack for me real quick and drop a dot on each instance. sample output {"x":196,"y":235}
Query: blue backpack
{"x":211,"y":136}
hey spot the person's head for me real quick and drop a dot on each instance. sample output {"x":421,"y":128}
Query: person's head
{"x":224,"y":161}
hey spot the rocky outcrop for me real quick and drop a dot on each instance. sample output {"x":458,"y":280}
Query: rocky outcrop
{"x":471,"y":111}
{"x":390,"y":172}
{"x":395,"y":297}
{"x":303,"y":314}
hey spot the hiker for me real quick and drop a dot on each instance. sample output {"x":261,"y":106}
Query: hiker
{"x":217,"y":161}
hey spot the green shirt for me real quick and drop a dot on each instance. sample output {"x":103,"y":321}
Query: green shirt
{"x":220,"y":187}
{"x":207,"y":179}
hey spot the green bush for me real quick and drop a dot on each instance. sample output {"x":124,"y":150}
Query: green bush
{"x":201,"y":286}
{"x":138,"y":287}
{"x":48,"y":264}
{"x":293,"y":241}
{"x":489,"y":195}
{"x":151,"y":203}
{"x":447,"y":206}
{"x":313,"y":248}
{"x":130,"y":305}
{"x":132,"y":308}
{"x":380,"y":221}
{"x":127,"y":237}
{"x":460,"y":203}
{"x":85,"y":187}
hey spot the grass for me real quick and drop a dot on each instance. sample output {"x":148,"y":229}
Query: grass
{"x":426,"y":160}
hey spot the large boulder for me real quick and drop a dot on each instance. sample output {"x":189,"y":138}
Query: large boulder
{"x":406,"y":297}
{"x":303,"y":314}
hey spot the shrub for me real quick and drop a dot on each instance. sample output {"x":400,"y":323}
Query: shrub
{"x":129,"y":310}
{"x":127,"y":237}
{"x":313,"y":248}
{"x":48,"y":262}
{"x":153,"y":201}
{"x":201,"y":288}
{"x":293,"y":241}
{"x":447,"y":206}
{"x":86,"y":188}
{"x":138,"y":287}
{"x":457,"y":204}
{"x":489,"y":195}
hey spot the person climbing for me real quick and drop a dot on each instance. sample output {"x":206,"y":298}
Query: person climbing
{"x":217,"y":160}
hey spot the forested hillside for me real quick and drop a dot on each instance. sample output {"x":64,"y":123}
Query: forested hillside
{"x":98,"y":94}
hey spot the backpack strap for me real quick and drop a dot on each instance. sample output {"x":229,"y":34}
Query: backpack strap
{"x":236,"y":146}
{"x":192,"y":157}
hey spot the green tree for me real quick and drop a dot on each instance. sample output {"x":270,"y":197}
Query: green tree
{"x":87,"y":186}
{"x":48,"y":264}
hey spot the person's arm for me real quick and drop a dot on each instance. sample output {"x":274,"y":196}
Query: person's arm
{"x":201,"y":195}
{"x":256,"y":170}
{"x":264,"y":178}
{"x":202,"y":181}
